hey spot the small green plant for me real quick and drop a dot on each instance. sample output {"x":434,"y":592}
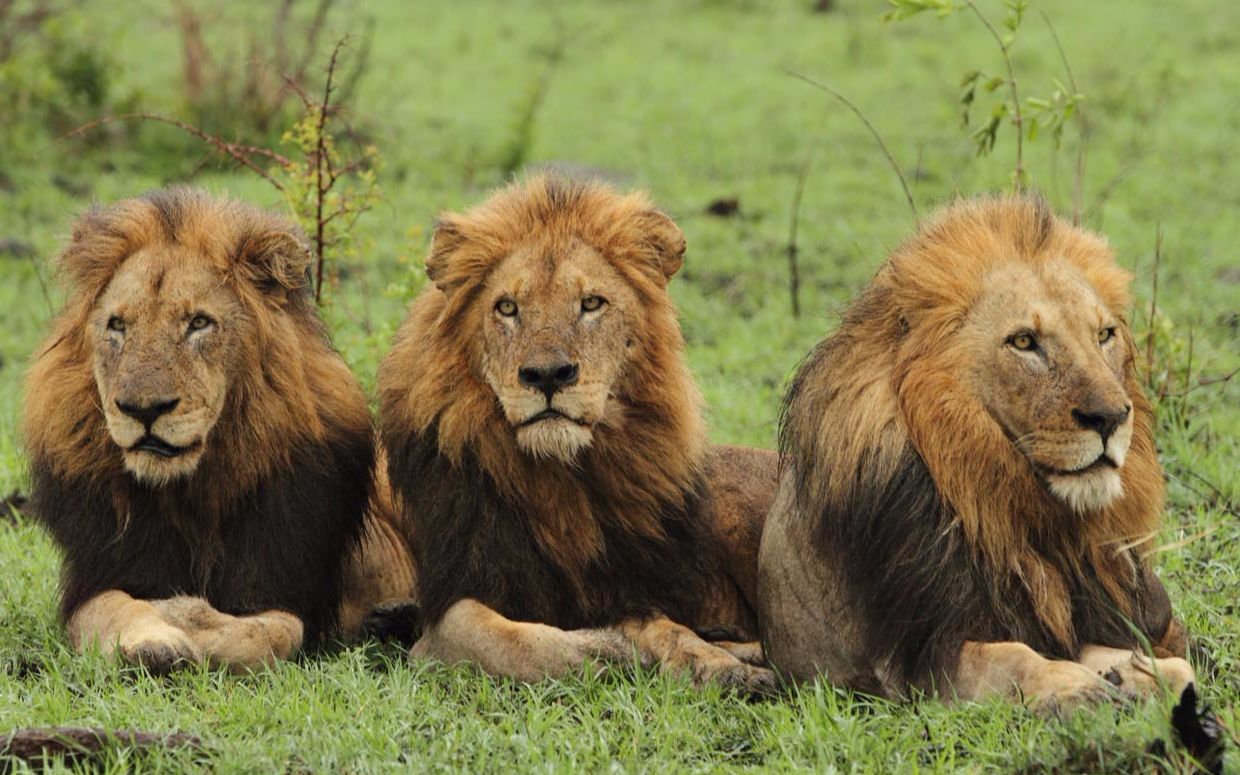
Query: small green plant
{"x":1029,"y":117}
{"x":325,"y":191}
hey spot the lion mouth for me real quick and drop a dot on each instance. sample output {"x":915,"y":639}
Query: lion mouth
{"x":549,"y":414}
{"x":1100,"y":463}
{"x":157,"y":446}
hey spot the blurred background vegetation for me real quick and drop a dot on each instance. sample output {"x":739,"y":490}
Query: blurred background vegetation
{"x":435,"y":103}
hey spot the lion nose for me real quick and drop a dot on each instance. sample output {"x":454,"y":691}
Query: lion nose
{"x":148,"y":414}
{"x":548,"y":379}
{"x":1102,"y":420}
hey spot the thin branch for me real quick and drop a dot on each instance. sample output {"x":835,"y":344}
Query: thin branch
{"x":321,"y":160}
{"x":1111,"y":185}
{"x":33,"y":745}
{"x":1149,"y":334}
{"x":908,"y":195}
{"x":296,"y":88}
{"x":1188,"y":372}
{"x":794,"y":271}
{"x":312,"y":34}
{"x":1017,"y":118}
{"x":238,"y":152}
{"x":1078,"y":190}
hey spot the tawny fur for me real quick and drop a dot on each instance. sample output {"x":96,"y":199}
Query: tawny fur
{"x":266,"y":395}
{"x":630,"y":447}
{"x":900,"y":381}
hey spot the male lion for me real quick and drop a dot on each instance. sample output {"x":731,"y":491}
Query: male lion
{"x":199,"y":452}
{"x":971,"y":488}
{"x":546,"y":444}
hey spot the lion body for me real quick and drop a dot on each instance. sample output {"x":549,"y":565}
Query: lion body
{"x":602,"y":513}
{"x":276,"y":429}
{"x":908,"y":523}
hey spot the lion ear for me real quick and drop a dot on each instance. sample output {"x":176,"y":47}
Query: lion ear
{"x":445,"y":241}
{"x":276,"y":261}
{"x":665,"y":239}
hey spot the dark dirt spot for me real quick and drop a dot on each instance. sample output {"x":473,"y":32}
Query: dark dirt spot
{"x":1229,"y":274}
{"x":16,"y":248}
{"x":724,"y":207}
{"x":13,"y":505}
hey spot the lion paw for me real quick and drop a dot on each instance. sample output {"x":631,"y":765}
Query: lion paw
{"x":748,"y":680}
{"x":160,"y":651}
{"x":1064,"y":686}
{"x":1140,"y":676}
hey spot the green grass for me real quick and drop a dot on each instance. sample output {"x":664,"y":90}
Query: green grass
{"x":688,"y":99}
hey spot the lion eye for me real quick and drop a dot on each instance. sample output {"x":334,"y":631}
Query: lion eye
{"x":116,"y":324}
{"x":199,"y":322}
{"x":506,"y":307}
{"x":1023,"y":342}
{"x":1106,"y":334}
{"x":592,"y":303}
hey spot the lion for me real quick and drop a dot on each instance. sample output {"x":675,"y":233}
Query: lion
{"x":969,"y":487}
{"x":547,"y":448}
{"x":199,"y":453}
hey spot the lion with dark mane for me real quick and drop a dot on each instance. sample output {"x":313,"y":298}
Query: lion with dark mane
{"x":547,"y":448}
{"x":199,"y":452}
{"x":970,"y":488}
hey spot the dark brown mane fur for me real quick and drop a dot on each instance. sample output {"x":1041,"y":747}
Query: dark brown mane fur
{"x":940,"y":525}
{"x":616,"y":534}
{"x":268,"y":515}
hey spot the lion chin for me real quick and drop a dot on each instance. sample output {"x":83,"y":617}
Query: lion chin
{"x":1087,"y":491}
{"x":554,"y":439}
{"x":158,"y":469}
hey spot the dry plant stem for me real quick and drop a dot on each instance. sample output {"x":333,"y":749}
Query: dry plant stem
{"x":908,"y":194}
{"x":1188,"y":371}
{"x":794,"y":271}
{"x":236,"y":151}
{"x":321,"y":161}
{"x":1149,"y":333}
{"x":1019,"y":182}
{"x":1078,"y":189}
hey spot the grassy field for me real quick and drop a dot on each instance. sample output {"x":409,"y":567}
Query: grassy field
{"x":689,"y":100}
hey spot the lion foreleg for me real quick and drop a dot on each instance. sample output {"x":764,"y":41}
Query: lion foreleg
{"x":1014,"y":670}
{"x":238,"y":643}
{"x":472,"y":632}
{"x":749,"y":652}
{"x":134,"y":630}
{"x":1136,"y":674}
{"x":678,"y":649}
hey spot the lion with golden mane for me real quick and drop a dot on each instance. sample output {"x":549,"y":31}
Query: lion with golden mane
{"x":970,"y":490}
{"x":547,"y":448}
{"x":199,"y":452}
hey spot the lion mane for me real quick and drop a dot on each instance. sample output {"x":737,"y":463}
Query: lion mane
{"x":613,"y":535}
{"x":266,"y":519}
{"x":940,"y":528}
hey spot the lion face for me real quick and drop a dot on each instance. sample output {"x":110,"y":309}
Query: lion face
{"x":1049,"y":368}
{"x":551,"y":301}
{"x":164,"y":333}
{"x":555,"y":345}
